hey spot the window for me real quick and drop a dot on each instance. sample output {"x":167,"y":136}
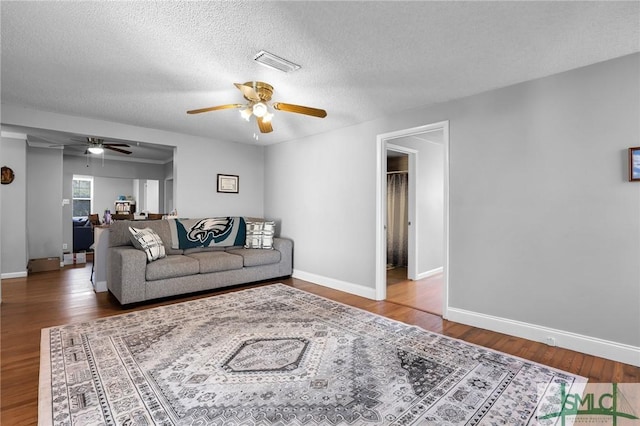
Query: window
{"x":82,"y":194}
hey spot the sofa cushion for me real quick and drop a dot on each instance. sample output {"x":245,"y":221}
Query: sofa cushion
{"x":216,"y":261}
{"x":172,"y":266}
{"x":148,"y":241}
{"x":202,"y":249}
{"x":257,"y":257}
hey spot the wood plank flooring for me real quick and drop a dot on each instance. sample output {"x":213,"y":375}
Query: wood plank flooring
{"x":424,"y":294}
{"x":53,"y":298}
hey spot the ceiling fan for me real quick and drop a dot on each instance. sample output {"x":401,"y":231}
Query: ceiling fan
{"x":98,"y":145}
{"x":258,"y":95}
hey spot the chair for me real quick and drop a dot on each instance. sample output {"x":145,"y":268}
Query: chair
{"x":94,"y":219}
{"x":122,"y":216}
{"x":82,"y":234}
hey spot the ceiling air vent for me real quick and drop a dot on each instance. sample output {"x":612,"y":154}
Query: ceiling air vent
{"x":277,"y":63}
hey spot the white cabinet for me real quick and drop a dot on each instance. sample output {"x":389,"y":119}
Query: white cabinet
{"x":100,"y":250}
{"x":125,"y":206}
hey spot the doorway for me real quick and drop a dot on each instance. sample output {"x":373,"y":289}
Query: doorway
{"x":400,"y":210}
{"x":426,"y":149}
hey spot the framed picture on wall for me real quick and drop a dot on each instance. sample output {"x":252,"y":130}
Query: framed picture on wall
{"x":228,"y":183}
{"x":7,"y":175}
{"x":634,"y":164}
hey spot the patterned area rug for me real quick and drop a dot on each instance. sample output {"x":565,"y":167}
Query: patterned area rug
{"x":276,"y":355}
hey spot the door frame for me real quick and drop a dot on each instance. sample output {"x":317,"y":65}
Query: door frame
{"x":382,"y":142}
{"x":412,"y":240}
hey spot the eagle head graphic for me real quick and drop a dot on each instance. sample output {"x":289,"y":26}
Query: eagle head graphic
{"x":214,"y":226}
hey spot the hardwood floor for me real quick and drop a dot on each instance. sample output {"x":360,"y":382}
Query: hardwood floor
{"x":53,"y":298}
{"x":424,"y":294}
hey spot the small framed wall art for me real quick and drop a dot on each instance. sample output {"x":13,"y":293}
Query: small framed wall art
{"x":228,"y":183}
{"x":7,"y":175}
{"x":634,"y":164}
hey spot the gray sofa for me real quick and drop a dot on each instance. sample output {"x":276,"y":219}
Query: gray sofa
{"x":131,"y":279}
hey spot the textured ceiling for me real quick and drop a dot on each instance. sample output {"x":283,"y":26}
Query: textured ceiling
{"x":147,"y":63}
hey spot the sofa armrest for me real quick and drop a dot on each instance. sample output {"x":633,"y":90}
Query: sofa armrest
{"x":126,"y":274}
{"x":285,"y":247}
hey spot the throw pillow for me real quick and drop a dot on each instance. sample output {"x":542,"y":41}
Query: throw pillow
{"x":148,"y":241}
{"x":260,"y":235}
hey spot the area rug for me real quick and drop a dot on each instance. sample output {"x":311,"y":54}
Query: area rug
{"x":275,"y":355}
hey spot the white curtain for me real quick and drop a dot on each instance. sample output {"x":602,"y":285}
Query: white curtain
{"x":397,"y":219}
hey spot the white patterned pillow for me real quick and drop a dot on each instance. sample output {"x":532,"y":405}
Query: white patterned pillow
{"x":148,"y":241}
{"x":260,"y":235}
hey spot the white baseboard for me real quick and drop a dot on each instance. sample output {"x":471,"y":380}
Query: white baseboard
{"x":8,"y":275}
{"x":430,"y":273}
{"x":100,"y":286}
{"x":589,"y":345}
{"x":347,"y":287}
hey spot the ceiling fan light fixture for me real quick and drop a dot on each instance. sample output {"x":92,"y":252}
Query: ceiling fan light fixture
{"x":267,"y":117}
{"x":275,"y":62}
{"x":246,"y":113}
{"x":260,"y":109}
{"x":258,"y":102}
{"x":96,"y":149}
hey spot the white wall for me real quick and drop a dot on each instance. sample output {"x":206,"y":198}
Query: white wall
{"x":544,"y":227}
{"x":44,"y":202}
{"x":151,"y":196}
{"x":13,"y":220}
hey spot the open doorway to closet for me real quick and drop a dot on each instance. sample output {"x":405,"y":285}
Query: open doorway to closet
{"x":413,"y":191}
{"x":397,"y":215}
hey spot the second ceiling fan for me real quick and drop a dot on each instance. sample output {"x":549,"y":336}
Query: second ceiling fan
{"x":97,"y":145}
{"x":258,"y":94}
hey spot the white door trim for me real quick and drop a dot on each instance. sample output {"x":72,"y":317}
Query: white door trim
{"x":382,"y":142}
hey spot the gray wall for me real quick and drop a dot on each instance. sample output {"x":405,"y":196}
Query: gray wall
{"x":44,"y":202}
{"x":111,"y":178}
{"x":197,"y":166}
{"x":194,"y":184}
{"x":13,"y":220}
{"x":107,"y":190}
{"x":196,"y":161}
{"x":544,"y":227}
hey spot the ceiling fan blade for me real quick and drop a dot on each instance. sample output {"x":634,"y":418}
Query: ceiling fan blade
{"x":299,"y":109}
{"x":264,"y":126}
{"x":67,"y":144}
{"x":249,"y":92}
{"x":124,"y":151}
{"x":215,"y":108}
{"x":116,"y":144}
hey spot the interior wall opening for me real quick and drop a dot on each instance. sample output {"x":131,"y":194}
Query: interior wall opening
{"x":413,"y":196}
